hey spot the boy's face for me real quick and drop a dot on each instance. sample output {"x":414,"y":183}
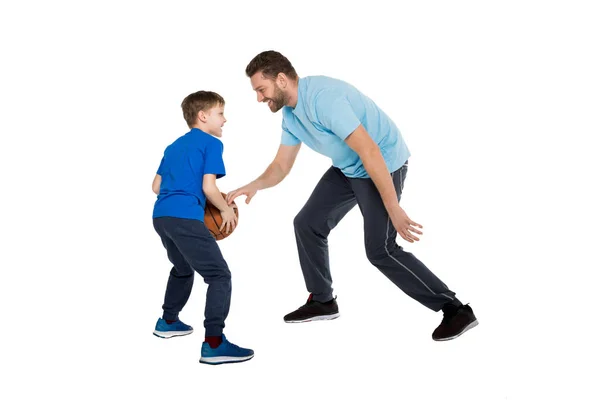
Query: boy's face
{"x":214,"y":119}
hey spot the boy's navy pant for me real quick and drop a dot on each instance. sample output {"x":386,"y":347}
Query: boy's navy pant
{"x":332,"y":198}
{"x":191,"y":247}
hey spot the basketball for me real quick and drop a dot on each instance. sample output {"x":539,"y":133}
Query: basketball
{"x":213,"y":220}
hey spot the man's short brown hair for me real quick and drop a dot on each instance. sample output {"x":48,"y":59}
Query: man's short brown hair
{"x":271,"y":63}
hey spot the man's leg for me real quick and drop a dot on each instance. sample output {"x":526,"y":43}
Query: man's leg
{"x":330,"y":201}
{"x":401,"y":267}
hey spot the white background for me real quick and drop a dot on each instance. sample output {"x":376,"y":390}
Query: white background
{"x":499,"y":106}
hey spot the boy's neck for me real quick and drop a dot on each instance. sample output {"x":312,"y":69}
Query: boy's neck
{"x":202,"y":127}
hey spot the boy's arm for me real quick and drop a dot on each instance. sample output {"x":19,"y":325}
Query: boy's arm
{"x":158,"y":178}
{"x":214,"y":168}
{"x":212,"y":192}
{"x":156,"y":184}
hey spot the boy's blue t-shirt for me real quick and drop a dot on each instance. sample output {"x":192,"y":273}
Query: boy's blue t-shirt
{"x":327,"y":112}
{"x":182,"y":168}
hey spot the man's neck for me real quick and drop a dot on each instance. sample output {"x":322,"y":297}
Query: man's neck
{"x":292,"y":100}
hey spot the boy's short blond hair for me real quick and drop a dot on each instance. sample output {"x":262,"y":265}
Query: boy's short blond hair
{"x":199,"y":101}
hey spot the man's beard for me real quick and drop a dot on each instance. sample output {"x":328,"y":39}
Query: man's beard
{"x":278,"y":100}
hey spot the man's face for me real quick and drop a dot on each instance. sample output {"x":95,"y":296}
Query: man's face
{"x":268,"y":92}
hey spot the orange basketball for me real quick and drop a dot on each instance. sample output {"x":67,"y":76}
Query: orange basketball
{"x":213,"y":220}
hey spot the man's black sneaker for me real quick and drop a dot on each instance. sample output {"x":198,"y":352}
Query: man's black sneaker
{"x":457,"y":320}
{"x":314,"y":311}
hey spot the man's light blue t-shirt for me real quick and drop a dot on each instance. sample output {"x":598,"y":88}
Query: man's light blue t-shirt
{"x":327,"y":112}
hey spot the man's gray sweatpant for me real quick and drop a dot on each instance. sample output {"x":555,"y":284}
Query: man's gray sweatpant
{"x":332,"y":198}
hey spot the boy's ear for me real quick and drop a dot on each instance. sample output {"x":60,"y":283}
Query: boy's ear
{"x":201,"y":116}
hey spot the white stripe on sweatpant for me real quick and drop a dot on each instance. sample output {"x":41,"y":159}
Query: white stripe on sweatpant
{"x":387,"y":235}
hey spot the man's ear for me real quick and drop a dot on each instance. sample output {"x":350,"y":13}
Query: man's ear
{"x":282,"y":80}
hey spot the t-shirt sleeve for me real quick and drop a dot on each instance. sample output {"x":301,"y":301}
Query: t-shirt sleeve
{"x":335,"y":113}
{"x":287,"y":138}
{"x":214,"y":159}
{"x":161,"y":167}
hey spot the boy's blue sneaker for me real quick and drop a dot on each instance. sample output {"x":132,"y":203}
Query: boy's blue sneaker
{"x":166,"y":331}
{"x":227,"y":352}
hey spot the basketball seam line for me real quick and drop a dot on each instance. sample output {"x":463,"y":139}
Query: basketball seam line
{"x":216,"y":224}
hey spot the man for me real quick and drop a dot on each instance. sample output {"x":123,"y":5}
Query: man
{"x":369,"y":160}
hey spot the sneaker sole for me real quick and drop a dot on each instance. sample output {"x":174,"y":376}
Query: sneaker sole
{"x":317,"y":318}
{"x":470,"y":326}
{"x":168,"y":335}
{"x":224,"y":360}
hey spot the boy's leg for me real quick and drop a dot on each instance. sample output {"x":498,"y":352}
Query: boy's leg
{"x":202,"y":253}
{"x":401,"y":267}
{"x":181,"y":277}
{"x":330,"y":201}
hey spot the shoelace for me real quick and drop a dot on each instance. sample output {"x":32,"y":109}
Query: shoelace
{"x":235,"y":346}
{"x":305,"y":305}
{"x":308,"y":302}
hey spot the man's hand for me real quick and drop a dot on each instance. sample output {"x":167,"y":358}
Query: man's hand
{"x":374,"y":164}
{"x":249,"y":191}
{"x":229,"y":219}
{"x":406,"y":227}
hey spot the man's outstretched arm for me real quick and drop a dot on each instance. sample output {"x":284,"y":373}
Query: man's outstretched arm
{"x":273,"y":175}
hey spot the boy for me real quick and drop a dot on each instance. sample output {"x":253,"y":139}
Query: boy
{"x":185,"y":178}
